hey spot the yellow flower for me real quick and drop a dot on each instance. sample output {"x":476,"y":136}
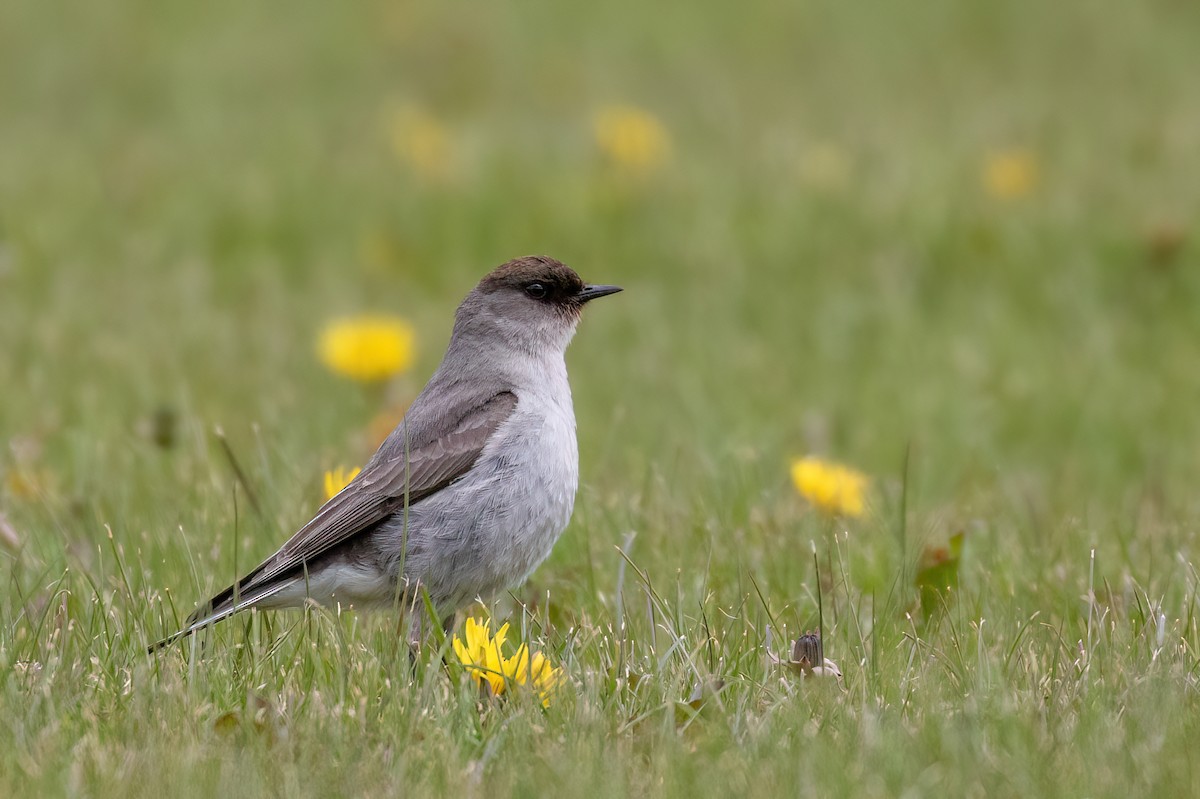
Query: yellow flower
{"x":1010,"y":174}
{"x":421,"y":142}
{"x":483,"y":656}
{"x":29,"y":483}
{"x":481,"y":653}
{"x":825,"y":165}
{"x":631,"y":138}
{"x":367,"y":348}
{"x":833,"y":488}
{"x":337,"y":479}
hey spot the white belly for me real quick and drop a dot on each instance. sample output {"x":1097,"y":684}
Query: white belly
{"x":491,"y":529}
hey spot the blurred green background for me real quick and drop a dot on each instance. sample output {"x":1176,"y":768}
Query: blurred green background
{"x":952,"y":244}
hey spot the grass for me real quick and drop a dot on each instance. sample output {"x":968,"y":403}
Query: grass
{"x":187,"y":192}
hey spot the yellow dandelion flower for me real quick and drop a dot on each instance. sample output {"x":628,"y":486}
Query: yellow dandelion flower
{"x":825,"y":165}
{"x":481,"y":653}
{"x":1010,"y":174}
{"x":421,"y":142}
{"x":831,"y":487}
{"x":483,"y":656}
{"x":631,"y":138}
{"x":29,"y":483}
{"x":367,"y":348}
{"x":337,"y":479}
{"x":536,"y":673}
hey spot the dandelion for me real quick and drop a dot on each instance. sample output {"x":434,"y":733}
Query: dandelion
{"x":29,"y":483}
{"x":1010,"y":174}
{"x":831,"y":487}
{"x":337,"y":479}
{"x":483,"y":655}
{"x":367,"y":348}
{"x":825,"y":165}
{"x":421,"y":142}
{"x":631,"y":138}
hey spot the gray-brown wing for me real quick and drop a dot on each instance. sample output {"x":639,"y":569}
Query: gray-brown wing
{"x":407,"y":469}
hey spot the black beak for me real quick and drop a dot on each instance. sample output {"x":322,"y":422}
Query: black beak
{"x":590,"y":293}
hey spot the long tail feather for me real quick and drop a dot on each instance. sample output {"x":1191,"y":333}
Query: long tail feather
{"x":218,"y":608}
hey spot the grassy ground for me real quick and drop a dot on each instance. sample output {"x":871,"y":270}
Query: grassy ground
{"x":816,"y":263}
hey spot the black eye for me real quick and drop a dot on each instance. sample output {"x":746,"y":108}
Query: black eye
{"x":536,"y":290}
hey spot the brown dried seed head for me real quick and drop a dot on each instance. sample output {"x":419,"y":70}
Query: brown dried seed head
{"x":808,"y":649}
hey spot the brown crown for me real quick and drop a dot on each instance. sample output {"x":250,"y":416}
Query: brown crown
{"x":559,"y":279}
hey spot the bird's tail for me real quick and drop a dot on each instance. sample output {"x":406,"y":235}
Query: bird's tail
{"x":220,"y":607}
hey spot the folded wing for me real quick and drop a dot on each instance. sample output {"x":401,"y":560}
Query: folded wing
{"x":420,"y":458}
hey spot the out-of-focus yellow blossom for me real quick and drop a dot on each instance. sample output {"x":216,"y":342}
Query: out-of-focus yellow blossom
{"x":421,"y":142}
{"x":631,"y":138}
{"x":483,"y":656}
{"x":825,"y":165}
{"x":1010,"y":174}
{"x":337,"y":479}
{"x":28,"y":483}
{"x":831,"y":487}
{"x":367,"y":348}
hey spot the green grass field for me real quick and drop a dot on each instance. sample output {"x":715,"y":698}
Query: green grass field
{"x":952,"y":245}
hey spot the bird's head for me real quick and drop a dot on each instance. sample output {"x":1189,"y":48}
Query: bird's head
{"x":533,"y":302}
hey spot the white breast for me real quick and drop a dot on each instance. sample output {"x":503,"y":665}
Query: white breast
{"x":540,"y":481}
{"x":488,"y":531}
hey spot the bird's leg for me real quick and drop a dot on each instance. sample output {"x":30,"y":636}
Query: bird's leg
{"x":416,"y":632}
{"x":420,"y":632}
{"x":411,"y":614}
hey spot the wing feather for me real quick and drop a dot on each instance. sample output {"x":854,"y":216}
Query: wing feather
{"x":383,"y":488}
{"x":416,"y":461}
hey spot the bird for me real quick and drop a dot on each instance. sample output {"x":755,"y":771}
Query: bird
{"x":470,"y":492}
